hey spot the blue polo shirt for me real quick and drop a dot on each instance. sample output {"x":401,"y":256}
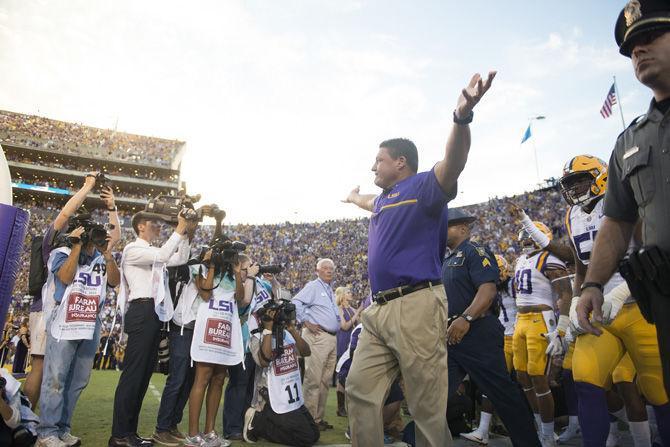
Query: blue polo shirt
{"x":408,"y":233}
{"x":464,"y":270}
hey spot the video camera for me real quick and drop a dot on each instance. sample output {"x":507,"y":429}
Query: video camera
{"x":167,"y":208}
{"x":93,"y":231}
{"x":225,"y":251}
{"x":284,"y":314}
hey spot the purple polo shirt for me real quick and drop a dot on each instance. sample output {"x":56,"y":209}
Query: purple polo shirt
{"x":408,"y":233}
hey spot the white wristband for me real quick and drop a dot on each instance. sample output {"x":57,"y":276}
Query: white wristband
{"x":536,"y":235}
{"x":563,"y":323}
{"x":267,"y":332}
{"x":620,"y":293}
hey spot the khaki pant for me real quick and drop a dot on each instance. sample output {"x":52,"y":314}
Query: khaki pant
{"x":406,"y":336}
{"x":319,"y":369}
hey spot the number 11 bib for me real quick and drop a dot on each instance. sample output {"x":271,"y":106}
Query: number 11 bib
{"x":284,"y":385}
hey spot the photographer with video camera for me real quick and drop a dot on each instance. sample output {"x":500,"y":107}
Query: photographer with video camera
{"x":278,"y":413}
{"x":217,"y":336}
{"x":79,"y":272}
{"x":260,"y":286}
{"x":40,"y":250}
{"x":143,"y":288}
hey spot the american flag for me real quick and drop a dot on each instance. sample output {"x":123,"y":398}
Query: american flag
{"x":606,"y":110}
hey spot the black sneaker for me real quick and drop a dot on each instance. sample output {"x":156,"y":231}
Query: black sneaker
{"x":323,"y":425}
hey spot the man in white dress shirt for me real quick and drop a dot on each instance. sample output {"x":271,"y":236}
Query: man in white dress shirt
{"x":141,"y":321}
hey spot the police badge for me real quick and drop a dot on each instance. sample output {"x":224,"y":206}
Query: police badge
{"x":632,"y":12}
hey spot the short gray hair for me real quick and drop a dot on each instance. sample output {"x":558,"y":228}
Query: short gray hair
{"x":322,"y":261}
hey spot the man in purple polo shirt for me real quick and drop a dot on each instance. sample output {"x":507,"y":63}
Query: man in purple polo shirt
{"x":407,"y":240}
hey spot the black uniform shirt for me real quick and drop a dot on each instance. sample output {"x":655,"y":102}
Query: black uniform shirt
{"x":463,"y":271}
{"x":639,"y":177}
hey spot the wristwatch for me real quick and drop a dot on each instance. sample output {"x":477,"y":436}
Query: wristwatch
{"x":467,"y":317}
{"x":586,"y":285}
{"x":465,"y":120}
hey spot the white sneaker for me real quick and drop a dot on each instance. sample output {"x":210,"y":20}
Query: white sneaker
{"x":70,"y":440}
{"x":476,"y":436}
{"x":568,"y":433}
{"x":194,"y":441}
{"x":213,"y":440}
{"x":51,"y":441}
{"x":612,"y":439}
{"x":548,"y":441}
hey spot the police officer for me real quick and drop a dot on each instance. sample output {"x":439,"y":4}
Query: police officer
{"x":639,"y":183}
{"x":475,"y":336}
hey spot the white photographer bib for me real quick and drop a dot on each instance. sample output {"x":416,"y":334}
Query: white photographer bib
{"x":217,"y":336}
{"x":284,"y":385}
{"x":161,"y":292}
{"x":77,"y":314}
{"x":259,"y":299}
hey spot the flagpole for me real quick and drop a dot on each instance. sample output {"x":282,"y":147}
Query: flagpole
{"x":616,"y":89}
{"x":537,"y":167}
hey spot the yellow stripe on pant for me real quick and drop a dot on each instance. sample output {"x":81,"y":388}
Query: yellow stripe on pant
{"x":529,"y":345}
{"x":596,"y":359}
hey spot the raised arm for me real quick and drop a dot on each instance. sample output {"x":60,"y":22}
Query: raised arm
{"x":107,"y":196}
{"x":448,"y":170}
{"x":72,"y":205}
{"x":363,"y":201}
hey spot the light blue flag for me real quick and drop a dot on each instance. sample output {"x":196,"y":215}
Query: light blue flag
{"x":526,"y":135}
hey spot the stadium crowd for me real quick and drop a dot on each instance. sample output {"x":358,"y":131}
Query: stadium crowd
{"x":72,"y":138}
{"x":298,"y":246}
{"x":76,"y":166}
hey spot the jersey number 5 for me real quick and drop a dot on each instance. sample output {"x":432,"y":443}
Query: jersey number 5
{"x":584,"y":244}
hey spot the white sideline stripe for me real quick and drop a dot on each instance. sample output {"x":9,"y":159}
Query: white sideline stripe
{"x":155,"y":392}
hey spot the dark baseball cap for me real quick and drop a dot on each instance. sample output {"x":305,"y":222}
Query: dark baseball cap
{"x":459,"y":216}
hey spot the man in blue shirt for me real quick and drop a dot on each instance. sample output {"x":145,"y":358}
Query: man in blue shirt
{"x":475,"y":335}
{"x":405,"y":330}
{"x":316,"y":310}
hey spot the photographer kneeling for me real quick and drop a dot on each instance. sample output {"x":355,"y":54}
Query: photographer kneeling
{"x":278,"y":413}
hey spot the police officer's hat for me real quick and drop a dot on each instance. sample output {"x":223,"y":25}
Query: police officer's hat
{"x":639,"y":17}
{"x":458,"y":216}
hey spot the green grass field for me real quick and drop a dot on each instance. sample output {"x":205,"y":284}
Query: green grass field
{"x":92,"y":420}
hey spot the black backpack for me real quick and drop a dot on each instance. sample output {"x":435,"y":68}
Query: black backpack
{"x":37,"y":275}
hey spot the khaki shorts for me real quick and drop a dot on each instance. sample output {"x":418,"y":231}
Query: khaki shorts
{"x":38,"y":333}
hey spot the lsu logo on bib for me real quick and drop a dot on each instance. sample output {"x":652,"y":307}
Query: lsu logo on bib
{"x":81,"y":308}
{"x":287,"y":363}
{"x":218,"y":332}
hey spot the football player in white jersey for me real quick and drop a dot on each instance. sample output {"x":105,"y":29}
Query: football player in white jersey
{"x":540,"y":279}
{"x":600,"y":360}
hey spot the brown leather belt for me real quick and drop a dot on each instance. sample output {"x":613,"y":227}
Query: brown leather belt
{"x":385,"y":296}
